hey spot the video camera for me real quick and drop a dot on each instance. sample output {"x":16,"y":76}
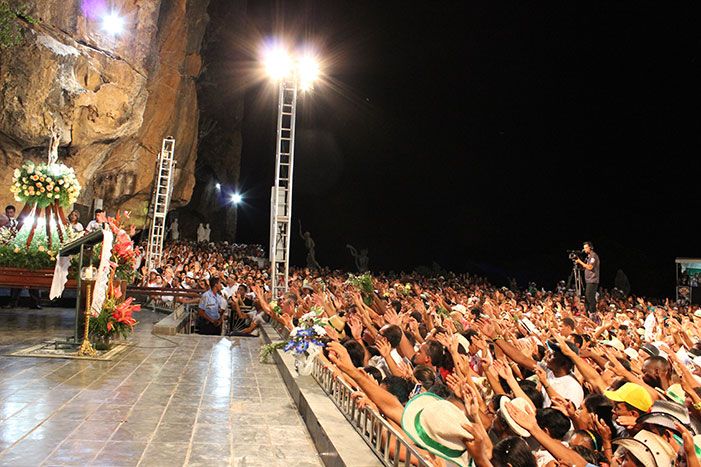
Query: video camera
{"x":575,"y":254}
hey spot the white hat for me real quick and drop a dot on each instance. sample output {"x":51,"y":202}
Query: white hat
{"x":615,"y":343}
{"x":436,"y":425}
{"x":632,"y":353}
{"x":521,"y":404}
{"x":463,"y":342}
{"x":650,"y":449}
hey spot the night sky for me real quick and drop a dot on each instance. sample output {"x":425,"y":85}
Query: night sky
{"x":489,"y":136}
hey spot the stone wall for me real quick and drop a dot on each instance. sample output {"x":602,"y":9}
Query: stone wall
{"x":114,"y":98}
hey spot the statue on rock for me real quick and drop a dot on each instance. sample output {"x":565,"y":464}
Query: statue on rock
{"x":310,"y":245}
{"x":207,"y":232}
{"x":200,"y":233}
{"x":361,"y":260}
{"x":175,"y":230}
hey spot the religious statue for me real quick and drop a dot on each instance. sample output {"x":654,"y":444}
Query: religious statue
{"x":175,"y":230}
{"x":207,"y":232}
{"x":200,"y":233}
{"x":310,"y":245}
{"x":361,"y":260}
{"x":54,"y":143}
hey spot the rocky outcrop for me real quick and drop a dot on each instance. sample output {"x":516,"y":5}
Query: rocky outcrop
{"x":220,"y":94}
{"x":114,"y":98}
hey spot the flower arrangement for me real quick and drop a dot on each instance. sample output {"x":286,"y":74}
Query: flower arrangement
{"x":364,"y":283}
{"x":307,"y":339}
{"x":115,"y":319}
{"x":45,"y":184}
{"x":124,"y":253}
{"x":39,"y":255}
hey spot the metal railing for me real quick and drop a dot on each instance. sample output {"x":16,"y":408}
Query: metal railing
{"x":385,"y":441}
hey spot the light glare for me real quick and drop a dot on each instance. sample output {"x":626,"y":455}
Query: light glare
{"x":308,"y":69}
{"x":113,"y":24}
{"x":217,"y":186}
{"x":278,"y":63}
{"x":236,"y":198}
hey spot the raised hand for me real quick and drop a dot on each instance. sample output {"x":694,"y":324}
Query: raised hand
{"x":455,"y":384}
{"x":356,"y":327}
{"x":383,"y":346}
{"x":525,"y":419}
{"x":601,"y":427}
{"x":339,"y":357}
{"x":391,"y":317}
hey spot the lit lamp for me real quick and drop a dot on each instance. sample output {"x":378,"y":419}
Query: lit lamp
{"x":236,"y":198}
{"x":112,"y":23}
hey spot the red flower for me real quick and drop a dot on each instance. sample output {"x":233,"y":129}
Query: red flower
{"x":123,"y":312}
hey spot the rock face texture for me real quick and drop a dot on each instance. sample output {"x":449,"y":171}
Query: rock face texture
{"x":114,"y":98}
{"x":220,"y":94}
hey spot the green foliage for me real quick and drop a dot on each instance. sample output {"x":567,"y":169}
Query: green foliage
{"x":10,"y":31}
{"x":364,"y":283}
{"x":266,"y":352}
{"x":15,"y":254}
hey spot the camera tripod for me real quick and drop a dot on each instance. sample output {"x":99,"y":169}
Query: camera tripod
{"x":576,"y":275}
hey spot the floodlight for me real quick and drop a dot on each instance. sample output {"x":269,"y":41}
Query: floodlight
{"x":236,"y":198}
{"x":112,"y":23}
{"x":217,"y":186}
{"x":308,"y":71}
{"x":278,"y":63}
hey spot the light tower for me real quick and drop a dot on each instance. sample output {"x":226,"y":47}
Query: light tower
{"x":293,"y":74}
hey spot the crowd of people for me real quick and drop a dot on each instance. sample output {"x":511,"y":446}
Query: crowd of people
{"x":472,"y":374}
{"x":476,"y":375}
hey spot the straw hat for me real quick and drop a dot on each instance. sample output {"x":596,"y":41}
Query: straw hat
{"x":650,"y":449}
{"x":436,"y":425}
{"x":521,"y":404}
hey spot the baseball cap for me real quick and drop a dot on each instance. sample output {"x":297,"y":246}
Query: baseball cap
{"x":632,"y":394}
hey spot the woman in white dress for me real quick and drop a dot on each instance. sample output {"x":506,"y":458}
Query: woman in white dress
{"x":73,"y":221}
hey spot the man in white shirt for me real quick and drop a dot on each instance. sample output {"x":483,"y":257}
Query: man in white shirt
{"x":95,"y":223}
{"x":559,"y":374}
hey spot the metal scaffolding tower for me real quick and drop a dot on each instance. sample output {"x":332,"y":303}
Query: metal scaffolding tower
{"x":163,"y":189}
{"x":281,"y":199}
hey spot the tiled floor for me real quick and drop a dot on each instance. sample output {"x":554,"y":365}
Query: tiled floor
{"x":197,"y":401}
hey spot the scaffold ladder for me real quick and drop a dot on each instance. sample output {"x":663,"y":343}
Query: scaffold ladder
{"x":163,"y":189}
{"x":282,"y":190}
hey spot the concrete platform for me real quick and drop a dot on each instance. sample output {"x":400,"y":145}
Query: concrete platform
{"x":187,"y":400}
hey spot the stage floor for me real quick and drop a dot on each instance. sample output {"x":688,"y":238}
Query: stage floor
{"x":197,"y":401}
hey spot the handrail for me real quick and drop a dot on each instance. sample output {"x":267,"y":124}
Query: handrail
{"x":383,"y":439}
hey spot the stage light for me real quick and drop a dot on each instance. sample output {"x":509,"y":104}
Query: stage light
{"x":308,"y":71}
{"x":113,"y":24}
{"x":236,"y":198}
{"x":217,"y":186}
{"x":278,"y":63}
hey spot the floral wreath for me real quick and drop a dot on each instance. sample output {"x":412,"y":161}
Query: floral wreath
{"x":45,"y":184}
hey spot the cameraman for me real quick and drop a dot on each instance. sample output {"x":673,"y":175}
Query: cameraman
{"x":591,"y":277}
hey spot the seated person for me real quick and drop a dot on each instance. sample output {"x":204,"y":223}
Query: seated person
{"x":209,"y":318}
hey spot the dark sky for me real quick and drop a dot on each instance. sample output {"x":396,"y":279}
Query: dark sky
{"x":490,"y":136}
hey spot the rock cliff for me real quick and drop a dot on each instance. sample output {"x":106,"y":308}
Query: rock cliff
{"x":114,"y":98}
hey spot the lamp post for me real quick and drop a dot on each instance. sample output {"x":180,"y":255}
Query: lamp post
{"x":293,"y":74}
